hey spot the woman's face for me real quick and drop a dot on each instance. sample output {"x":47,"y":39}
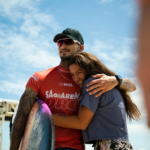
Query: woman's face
{"x":78,"y":74}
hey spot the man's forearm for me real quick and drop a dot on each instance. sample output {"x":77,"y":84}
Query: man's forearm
{"x":17,"y":131}
{"x":26,"y":102}
{"x":104,"y":83}
{"x":127,"y":85}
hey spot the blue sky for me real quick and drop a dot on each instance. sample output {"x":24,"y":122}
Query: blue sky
{"x":27,"y":28}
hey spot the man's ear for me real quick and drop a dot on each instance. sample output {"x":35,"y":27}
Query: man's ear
{"x":81,"y":48}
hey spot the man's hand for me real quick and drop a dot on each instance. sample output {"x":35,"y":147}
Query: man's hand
{"x":102,"y":84}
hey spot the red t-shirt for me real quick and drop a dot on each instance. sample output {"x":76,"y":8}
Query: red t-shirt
{"x":62,"y":95}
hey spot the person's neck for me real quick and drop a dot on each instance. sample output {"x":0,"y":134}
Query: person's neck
{"x":64,"y":64}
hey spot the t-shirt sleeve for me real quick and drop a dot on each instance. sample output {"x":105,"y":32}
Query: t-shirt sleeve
{"x":34,"y":83}
{"x":90,"y":101}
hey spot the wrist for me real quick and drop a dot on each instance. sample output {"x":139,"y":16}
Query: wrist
{"x":115,"y":81}
{"x":119,"y":80}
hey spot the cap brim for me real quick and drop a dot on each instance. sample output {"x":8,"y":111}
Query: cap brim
{"x":60,"y":36}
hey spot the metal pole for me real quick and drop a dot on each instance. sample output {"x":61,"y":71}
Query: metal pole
{"x":2,"y":128}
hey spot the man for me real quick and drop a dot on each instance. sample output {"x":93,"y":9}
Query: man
{"x":144,"y":52}
{"x":56,"y":88}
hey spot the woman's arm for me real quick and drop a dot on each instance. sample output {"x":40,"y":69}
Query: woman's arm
{"x":81,"y":121}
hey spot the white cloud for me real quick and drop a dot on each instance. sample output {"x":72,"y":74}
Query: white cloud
{"x":37,"y":22}
{"x":27,"y":12}
{"x":132,"y":12}
{"x":116,"y":54}
{"x":124,"y":54}
{"x":42,"y":59}
{"x":137,"y":131}
{"x":29,"y":42}
{"x":105,"y":1}
{"x":18,"y":50}
{"x":142,"y":128}
{"x":11,"y":8}
{"x":16,"y":88}
{"x":138,"y":99}
{"x":25,"y":42}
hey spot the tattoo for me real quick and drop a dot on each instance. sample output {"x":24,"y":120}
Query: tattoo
{"x":113,"y":82}
{"x":127,"y":85}
{"x":26,"y":102}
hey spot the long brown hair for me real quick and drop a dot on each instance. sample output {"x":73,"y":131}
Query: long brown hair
{"x":93,"y":66}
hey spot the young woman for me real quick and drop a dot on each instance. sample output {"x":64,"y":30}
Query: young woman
{"x":103,"y":118}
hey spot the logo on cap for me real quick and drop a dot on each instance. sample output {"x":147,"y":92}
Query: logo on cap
{"x":66,"y":31}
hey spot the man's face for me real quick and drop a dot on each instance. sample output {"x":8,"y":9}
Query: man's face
{"x":66,"y":51}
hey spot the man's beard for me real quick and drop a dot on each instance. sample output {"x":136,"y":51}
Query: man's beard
{"x":63,"y":58}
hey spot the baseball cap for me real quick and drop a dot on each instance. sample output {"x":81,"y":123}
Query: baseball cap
{"x":71,"y":33}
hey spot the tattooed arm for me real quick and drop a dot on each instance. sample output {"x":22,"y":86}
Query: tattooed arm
{"x":104,"y":83}
{"x":26,"y":102}
{"x":127,"y":85}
